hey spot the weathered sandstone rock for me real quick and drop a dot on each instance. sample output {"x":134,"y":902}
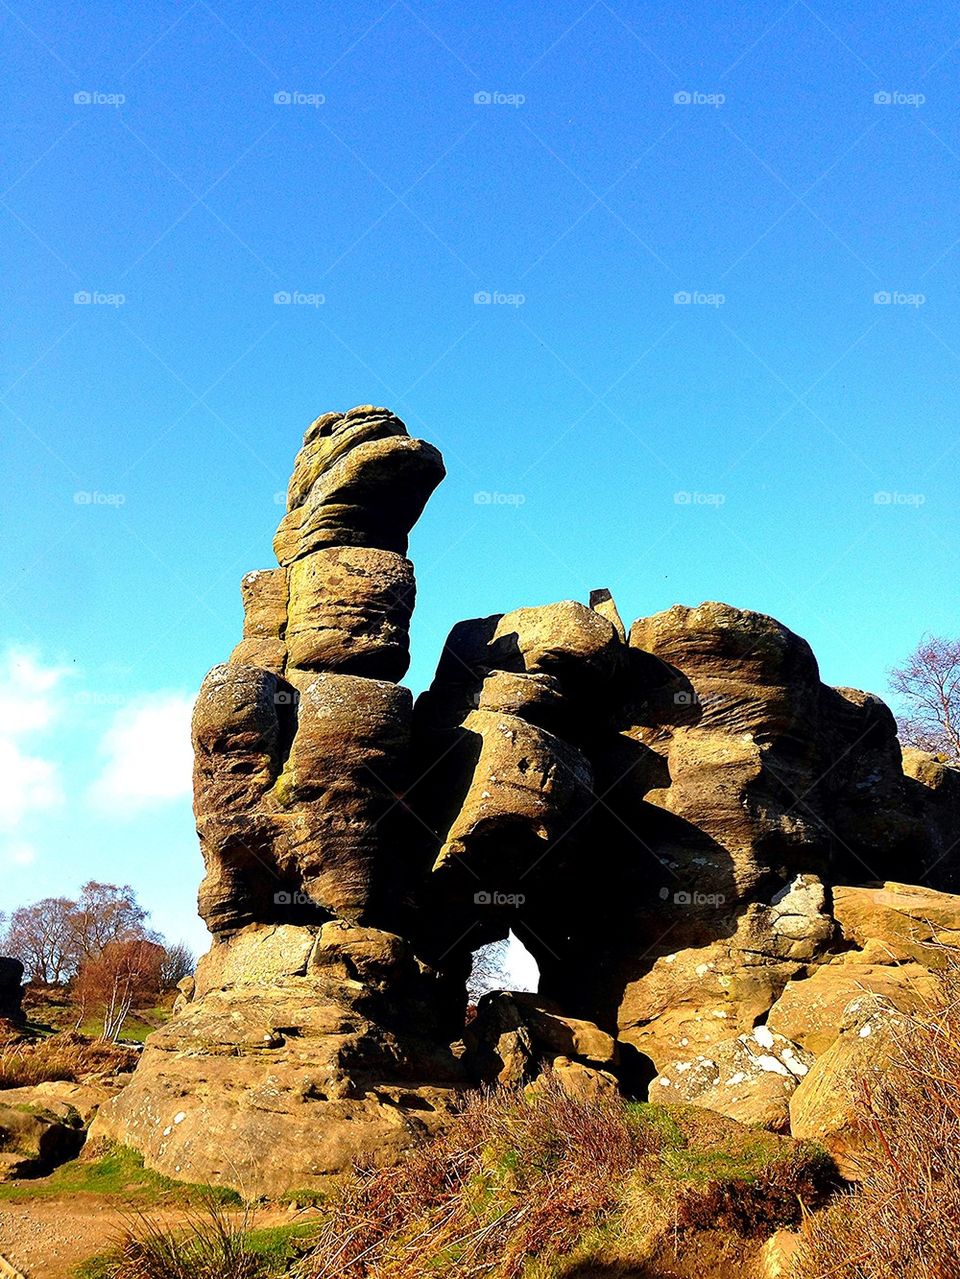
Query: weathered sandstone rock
{"x":34,"y":1142}
{"x":11,"y":989}
{"x":684,"y":826}
{"x":827,"y":1106}
{"x":515,"y":1037}
{"x":810,"y":1011}
{"x":350,"y":610}
{"x":749,"y":1078}
{"x":286,"y":1065}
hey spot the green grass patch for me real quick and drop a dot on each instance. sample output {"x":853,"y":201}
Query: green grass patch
{"x":279,"y":1245}
{"x":276,"y":1248}
{"x":119,"y":1173}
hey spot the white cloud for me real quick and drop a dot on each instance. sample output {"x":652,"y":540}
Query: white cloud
{"x":29,"y":704}
{"x":21,"y":854}
{"x":148,"y":755}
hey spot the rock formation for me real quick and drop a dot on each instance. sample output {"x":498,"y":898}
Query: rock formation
{"x":662,"y":815}
{"x":11,"y":989}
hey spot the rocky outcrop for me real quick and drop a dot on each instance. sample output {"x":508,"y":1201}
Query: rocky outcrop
{"x":11,"y":989}
{"x":517,"y":1037}
{"x":303,"y":1050}
{"x":827,"y":1106}
{"x":663,"y":815}
{"x":34,"y":1141}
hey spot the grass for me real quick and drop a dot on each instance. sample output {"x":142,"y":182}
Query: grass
{"x":903,"y":1218}
{"x":527,"y":1185}
{"x":64,"y":1056}
{"x":118,"y":1173}
{"x":210,"y":1243}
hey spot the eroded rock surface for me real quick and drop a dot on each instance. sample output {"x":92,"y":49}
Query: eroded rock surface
{"x":698,"y":840}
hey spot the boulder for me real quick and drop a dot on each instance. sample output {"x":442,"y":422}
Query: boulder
{"x":827,"y":1106}
{"x":11,"y":989}
{"x":303,"y":1050}
{"x":62,"y":1099}
{"x":899,"y":922}
{"x":810,"y":1011}
{"x":693,"y":998}
{"x":350,"y":610}
{"x":750,"y":1078}
{"x":515,"y":1037}
{"x":33,"y":1141}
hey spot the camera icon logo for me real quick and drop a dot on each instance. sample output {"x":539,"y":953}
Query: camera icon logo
{"x":483,"y":98}
{"x":83,"y":98}
{"x":682,"y":98}
{"x":482,"y":899}
{"x":282,"y":99}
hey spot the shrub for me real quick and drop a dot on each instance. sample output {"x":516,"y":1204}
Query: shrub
{"x":530,"y":1184}
{"x":67,"y":1056}
{"x":904,"y":1216}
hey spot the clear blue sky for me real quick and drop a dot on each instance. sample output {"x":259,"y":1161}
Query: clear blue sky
{"x":584,"y":186}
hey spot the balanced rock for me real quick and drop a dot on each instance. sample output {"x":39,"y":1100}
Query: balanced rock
{"x":360,"y":480}
{"x":700,"y":843}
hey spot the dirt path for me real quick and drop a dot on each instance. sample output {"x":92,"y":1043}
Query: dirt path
{"x":49,"y":1238}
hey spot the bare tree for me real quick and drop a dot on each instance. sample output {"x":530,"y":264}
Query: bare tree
{"x":111,"y":983}
{"x":928,"y":683}
{"x":41,"y":936}
{"x":489,"y":971}
{"x":104,"y":914}
{"x":178,"y":962}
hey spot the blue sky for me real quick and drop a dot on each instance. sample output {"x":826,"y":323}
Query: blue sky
{"x":785,"y":440}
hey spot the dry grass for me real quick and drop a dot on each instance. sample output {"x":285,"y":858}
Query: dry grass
{"x":207,"y":1243}
{"x":66,"y":1056}
{"x":904,"y":1218}
{"x":560,"y":1161}
{"x":528,"y":1185}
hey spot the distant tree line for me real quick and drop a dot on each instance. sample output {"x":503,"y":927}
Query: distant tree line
{"x":100,"y":949}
